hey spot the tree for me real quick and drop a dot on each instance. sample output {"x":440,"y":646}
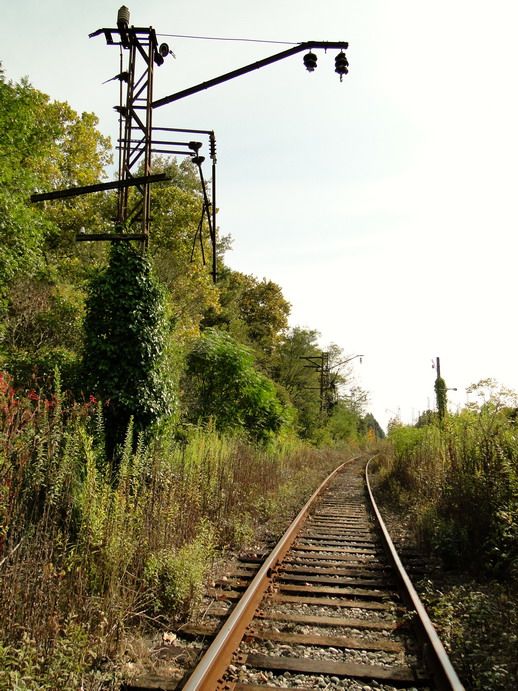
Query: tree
{"x":26,"y":138}
{"x":223,"y":385}
{"x":177,"y":258}
{"x":291,"y":369}
{"x":265,"y":311}
{"x":125,"y":338}
{"x":427,"y":417}
{"x":253,"y":311}
{"x":43,"y":330}
{"x":45,"y":145}
{"x":343,"y":423}
{"x":369,"y":422}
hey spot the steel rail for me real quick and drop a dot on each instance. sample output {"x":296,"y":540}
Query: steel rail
{"x":210,"y":669}
{"x":433,"y":650}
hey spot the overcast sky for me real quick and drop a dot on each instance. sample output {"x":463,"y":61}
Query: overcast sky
{"x":385,"y":206}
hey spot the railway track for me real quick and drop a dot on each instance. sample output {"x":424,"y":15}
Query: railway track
{"x":329,"y":608}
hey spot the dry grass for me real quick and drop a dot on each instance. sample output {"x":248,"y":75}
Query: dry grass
{"x":85,"y":558}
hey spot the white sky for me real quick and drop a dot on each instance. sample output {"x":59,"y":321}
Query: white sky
{"x":385,"y":206}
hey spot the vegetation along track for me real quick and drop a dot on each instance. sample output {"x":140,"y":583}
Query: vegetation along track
{"x":330,"y":608}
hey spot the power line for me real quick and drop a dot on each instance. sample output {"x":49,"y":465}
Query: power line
{"x":222,"y":38}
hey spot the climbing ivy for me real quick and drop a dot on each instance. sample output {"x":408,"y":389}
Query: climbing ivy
{"x":124,"y":342}
{"x":441,"y":397}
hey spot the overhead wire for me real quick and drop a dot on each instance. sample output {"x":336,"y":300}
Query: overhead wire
{"x":223,"y":38}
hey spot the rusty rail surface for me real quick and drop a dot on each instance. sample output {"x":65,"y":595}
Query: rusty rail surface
{"x":433,"y":650}
{"x":216,"y":659}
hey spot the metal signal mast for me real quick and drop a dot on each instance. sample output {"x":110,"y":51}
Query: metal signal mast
{"x":139,"y":139}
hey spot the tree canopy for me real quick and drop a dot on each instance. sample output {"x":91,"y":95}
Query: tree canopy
{"x":225,"y":386}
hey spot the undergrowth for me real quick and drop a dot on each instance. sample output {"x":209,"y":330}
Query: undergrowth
{"x":86,"y":554}
{"x":478,"y":624}
{"x":456,"y":483}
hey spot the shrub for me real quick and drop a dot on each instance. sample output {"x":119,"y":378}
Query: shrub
{"x":478,"y":626}
{"x":176,"y":579}
{"x":460,"y":481}
{"x":223,"y":384}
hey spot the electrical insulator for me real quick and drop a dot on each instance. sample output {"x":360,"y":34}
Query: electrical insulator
{"x":212,"y":146}
{"x":341,"y":64}
{"x":163,"y":49}
{"x":123,"y":17}
{"x":310,"y":61}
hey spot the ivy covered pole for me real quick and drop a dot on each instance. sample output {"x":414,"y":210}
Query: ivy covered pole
{"x":441,"y":395}
{"x":125,"y":333}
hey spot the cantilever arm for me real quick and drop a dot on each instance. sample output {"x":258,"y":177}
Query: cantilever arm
{"x":308,"y":45}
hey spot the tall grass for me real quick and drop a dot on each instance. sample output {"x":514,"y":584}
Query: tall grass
{"x":459,"y":479}
{"x":85,"y":553}
{"x":458,"y":482}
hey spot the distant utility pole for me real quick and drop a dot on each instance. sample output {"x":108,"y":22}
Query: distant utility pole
{"x":327,"y":388}
{"x":441,"y":395}
{"x":319,"y":363}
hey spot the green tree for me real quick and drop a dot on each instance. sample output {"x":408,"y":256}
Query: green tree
{"x":125,"y":342}
{"x":223,"y":384}
{"x":343,"y":424}
{"x":369,"y":422}
{"x":177,"y":207}
{"x":427,"y":417}
{"x":255,"y":312}
{"x":292,"y":370}
{"x":45,"y":145}
{"x":43,"y":330}
{"x":26,"y":140}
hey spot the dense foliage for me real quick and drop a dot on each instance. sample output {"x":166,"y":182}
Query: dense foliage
{"x":455,"y":480}
{"x":224,"y":385}
{"x":441,"y":397}
{"x":478,"y":623}
{"x":460,"y":480}
{"x":99,"y":317}
{"x":84,"y":556}
{"x":125,"y":338}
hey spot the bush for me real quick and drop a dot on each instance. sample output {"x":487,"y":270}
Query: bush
{"x":83,"y":556}
{"x":223,"y":384}
{"x":460,"y":481}
{"x":478,"y":626}
{"x":176,"y":579}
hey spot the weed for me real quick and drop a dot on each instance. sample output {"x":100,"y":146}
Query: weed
{"x":175,"y":579}
{"x":86,"y":554}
